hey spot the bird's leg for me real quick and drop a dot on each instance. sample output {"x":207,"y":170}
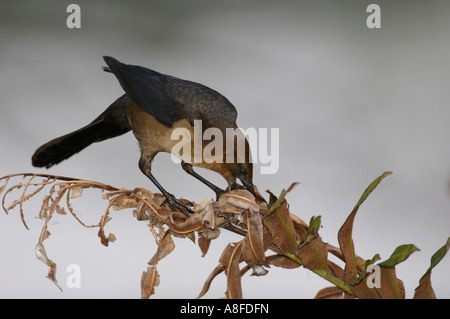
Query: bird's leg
{"x":172,"y":201}
{"x":145,"y":166}
{"x":190,"y":170}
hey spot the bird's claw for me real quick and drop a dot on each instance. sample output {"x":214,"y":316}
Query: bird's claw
{"x":219,"y":192}
{"x":173,"y":202}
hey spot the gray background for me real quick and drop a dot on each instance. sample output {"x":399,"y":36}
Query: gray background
{"x":350,"y":103}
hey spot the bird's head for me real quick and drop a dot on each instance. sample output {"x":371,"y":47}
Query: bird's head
{"x":240,"y":168}
{"x":243,"y":172}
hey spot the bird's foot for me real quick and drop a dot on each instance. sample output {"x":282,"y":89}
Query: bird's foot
{"x":173,"y":202}
{"x":219,"y":192}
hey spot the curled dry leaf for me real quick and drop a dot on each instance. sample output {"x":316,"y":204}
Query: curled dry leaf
{"x":149,"y":280}
{"x":166,"y":246}
{"x":391,"y":286}
{"x":281,"y":227}
{"x":330,"y":293}
{"x":254,"y":248}
{"x":180,"y":225}
{"x":314,"y":254}
{"x":199,"y":208}
{"x":425,"y":290}
{"x":282,"y":261}
{"x":238,"y":201}
{"x":345,"y":234}
{"x":211,"y":218}
{"x":76,"y":192}
{"x":228,"y":262}
{"x":218,"y":270}
{"x":234,"y":288}
{"x":124,"y":201}
{"x":204,"y":244}
{"x":41,"y":254}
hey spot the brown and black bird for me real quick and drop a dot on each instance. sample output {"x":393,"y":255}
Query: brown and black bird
{"x":153,"y":106}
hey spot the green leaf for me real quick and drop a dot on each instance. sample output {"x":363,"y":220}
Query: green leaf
{"x":373,"y":260}
{"x":370,"y":189}
{"x":439,"y":255}
{"x":314,"y":225}
{"x":345,"y":233}
{"x":280,"y":199}
{"x":400,"y":254}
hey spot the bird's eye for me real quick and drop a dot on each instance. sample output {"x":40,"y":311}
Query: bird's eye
{"x":242,"y":170}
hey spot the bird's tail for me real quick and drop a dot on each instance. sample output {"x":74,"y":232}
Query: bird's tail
{"x":109,"y":124}
{"x":65,"y":146}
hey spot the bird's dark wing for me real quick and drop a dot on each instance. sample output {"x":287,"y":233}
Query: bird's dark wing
{"x":170,"y":99}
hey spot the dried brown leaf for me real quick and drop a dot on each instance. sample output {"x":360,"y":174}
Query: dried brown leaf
{"x":157,"y":200}
{"x":253,"y":248}
{"x":165,"y":247}
{"x":238,"y":200}
{"x":40,"y":249}
{"x":229,"y":261}
{"x":425,"y":290}
{"x":330,"y":293}
{"x":124,"y":201}
{"x":43,"y":213}
{"x":105,"y":240}
{"x":345,"y":234}
{"x":111,"y":238}
{"x":234,"y":289}
{"x":208,"y":233}
{"x":24,"y":197}
{"x":145,"y":193}
{"x":42,"y":256}
{"x":336,"y":251}
{"x":281,"y":227}
{"x":44,"y":235}
{"x":314,"y":254}
{"x":347,"y":248}
{"x":6,"y":178}
{"x":210,"y":219}
{"x":149,"y":280}
{"x":219,"y":269}
{"x":186,"y":226}
{"x":199,"y":208}
{"x":163,"y":215}
{"x":299,"y":225}
{"x":258,"y":197}
{"x":362,"y":290}
{"x":335,"y":270}
{"x":105,"y":218}
{"x":282,"y":261}
{"x":60,"y":210}
{"x":76,"y":191}
{"x":390,"y":286}
{"x":204,"y":244}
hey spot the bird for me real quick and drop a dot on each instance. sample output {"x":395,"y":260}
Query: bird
{"x":153,"y":107}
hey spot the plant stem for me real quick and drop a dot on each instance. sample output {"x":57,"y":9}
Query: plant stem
{"x":325,"y":275}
